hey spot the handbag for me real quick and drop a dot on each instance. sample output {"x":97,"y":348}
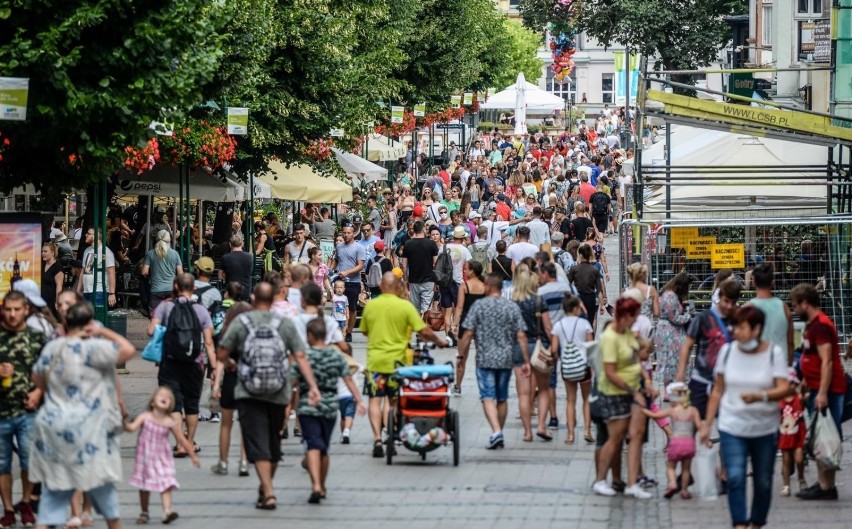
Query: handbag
{"x":434,"y":318}
{"x":541,"y":360}
{"x":574,"y":366}
{"x":153,"y":351}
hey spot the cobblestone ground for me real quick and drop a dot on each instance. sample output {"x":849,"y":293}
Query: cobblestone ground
{"x":526,"y":485}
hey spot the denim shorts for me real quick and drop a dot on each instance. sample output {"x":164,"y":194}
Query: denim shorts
{"x":493,"y":384}
{"x":53,"y":507}
{"x":21,"y":429}
{"x":316,"y":432}
{"x":347,"y":407}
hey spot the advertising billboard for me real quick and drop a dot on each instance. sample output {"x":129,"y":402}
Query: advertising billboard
{"x":20,"y":249}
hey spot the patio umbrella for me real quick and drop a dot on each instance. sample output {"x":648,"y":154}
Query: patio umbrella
{"x":521,"y":105}
{"x":359,"y":169}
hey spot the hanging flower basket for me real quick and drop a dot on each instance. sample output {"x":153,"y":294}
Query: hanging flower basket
{"x":198,"y":144}
{"x":144,"y":159}
{"x":4,"y":145}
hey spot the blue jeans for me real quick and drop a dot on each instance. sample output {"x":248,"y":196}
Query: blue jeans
{"x":493,"y":384}
{"x":735,"y":454}
{"x":21,"y":429}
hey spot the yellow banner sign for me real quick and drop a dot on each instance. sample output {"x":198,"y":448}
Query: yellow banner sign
{"x":680,"y":236}
{"x":700,"y":247}
{"x":727,"y":256}
{"x":741,"y":114}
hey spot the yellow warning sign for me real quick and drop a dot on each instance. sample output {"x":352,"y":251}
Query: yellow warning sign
{"x":699,"y":247}
{"x":727,"y":256}
{"x":680,"y":236}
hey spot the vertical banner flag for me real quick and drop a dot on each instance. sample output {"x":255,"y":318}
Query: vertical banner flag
{"x":20,"y":249}
{"x":336,"y":133}
{"x":397,"y":113}
{"x":13,"y":98}
{"x":420,"y":110}
{"x":618,"y":77}
{"x":468,"y":99}
{"x":237,"y":121}
{"x":455,"y":101}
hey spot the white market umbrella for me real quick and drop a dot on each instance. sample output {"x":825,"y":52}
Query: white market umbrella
{"x":358,"y":168}
{"x":521,"y":105}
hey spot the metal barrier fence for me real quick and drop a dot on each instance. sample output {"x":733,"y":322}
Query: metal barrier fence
{"x":814,"y":250}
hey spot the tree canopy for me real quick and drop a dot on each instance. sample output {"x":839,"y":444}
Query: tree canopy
{"x":521,"y":55}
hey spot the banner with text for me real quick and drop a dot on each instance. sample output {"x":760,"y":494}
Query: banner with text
{"x":237,"y":121}
{"x":420,"y":110}
{"x":700,"y":247}
{"x":468,"y":99}
{"x":727,"y":256}
{"x":455,"y":101}
{"x":20,"y":249}
{"x":681,"y":236}
{"x":397,"y":114}
{"x":13,"y":98}
{"x":618,"y":77}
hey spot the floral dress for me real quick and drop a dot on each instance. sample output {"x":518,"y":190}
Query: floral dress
{"x":670,"y":334}
{"x":77,"y":428}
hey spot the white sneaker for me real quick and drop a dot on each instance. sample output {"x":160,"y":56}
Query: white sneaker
{"x":602,"y":488}
{"x":785,"y":490}
{"x":637,"y":492}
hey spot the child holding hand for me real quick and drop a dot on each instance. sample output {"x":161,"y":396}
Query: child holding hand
{"x":791,"y":438}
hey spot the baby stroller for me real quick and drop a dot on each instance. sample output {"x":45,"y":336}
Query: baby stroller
{"x":423,"y":421}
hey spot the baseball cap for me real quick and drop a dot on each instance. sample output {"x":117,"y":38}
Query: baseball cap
{"x":205,"y":264}
{"x":459,"y":233}
{"x":357,"y":219}
{"x":31,"y":290}
{"x":502,"y":198}
{"x":474,"y":215}
{"x":379,"y":246}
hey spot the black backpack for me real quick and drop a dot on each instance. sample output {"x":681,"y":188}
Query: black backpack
{"x":444,"y":269}
{"x":183,"y":339}
{"x":600,"y":203}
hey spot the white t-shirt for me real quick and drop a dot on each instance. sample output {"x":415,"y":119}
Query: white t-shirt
{"x":539,"y":232}
{"x":339,"y":304}
{"x":749,"y":373}
{"x":519,"y":250}
{"x":573,"y":329}
{"x":89,"y":269}
{"x":494,"y":227}
{"x":460,"y":255}
{"x":643,"y":326}
{"x":294,"y":296}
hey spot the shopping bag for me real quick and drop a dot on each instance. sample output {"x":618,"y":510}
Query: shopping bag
{"x":704,"y":471}
{"x":153,"y":351}
{"x":824,"y":443}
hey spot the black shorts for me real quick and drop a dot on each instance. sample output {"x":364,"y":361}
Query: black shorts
{"x":449,"y":295}
{"x":186,"y":381}
{"x":699,"y":395}
{"x":601,"y":222}
{"x":316,"y":432}
{"x":352,"y":291}
{"x":229,"y":383}
{"x":261,"y":423}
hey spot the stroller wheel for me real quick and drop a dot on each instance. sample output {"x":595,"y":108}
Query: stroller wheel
{"x":455,"y":432}
{"x":390,"y":449}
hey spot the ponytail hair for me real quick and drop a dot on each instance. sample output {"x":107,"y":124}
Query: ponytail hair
{"x":163,"y":244}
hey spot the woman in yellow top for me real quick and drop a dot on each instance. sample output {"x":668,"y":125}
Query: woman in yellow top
{"x":622,"y":398}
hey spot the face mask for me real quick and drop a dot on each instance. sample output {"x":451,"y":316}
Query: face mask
{"x":749,"y":345}
{"x":443,"y":216}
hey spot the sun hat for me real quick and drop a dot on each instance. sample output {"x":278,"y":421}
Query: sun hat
{"x":459,"y":233}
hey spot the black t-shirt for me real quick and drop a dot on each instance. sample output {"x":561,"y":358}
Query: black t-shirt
{"x":579,"y":227}
{"x":585,"y":277}
{"x":502,"y":266}
{"x":565,"y":228}
{"x":420,"y":253}
{"x":237,"y":267}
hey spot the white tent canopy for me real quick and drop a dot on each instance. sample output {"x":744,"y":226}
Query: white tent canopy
{"x":162,"y":181}
{"x":537,"y":100}
{"x":383,"y":149}
{"x":359,"y":169}
{"x":735,"y":192}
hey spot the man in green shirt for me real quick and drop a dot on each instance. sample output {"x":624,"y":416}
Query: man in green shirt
{"x":387,"y":322}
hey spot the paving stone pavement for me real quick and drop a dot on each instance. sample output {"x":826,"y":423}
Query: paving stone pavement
{"x":527,"y":485}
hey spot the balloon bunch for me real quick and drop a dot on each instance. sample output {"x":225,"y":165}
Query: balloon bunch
{"x":563,"y":44}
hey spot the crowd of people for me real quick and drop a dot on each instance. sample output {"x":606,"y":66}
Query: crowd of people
{"x":500,"y":249}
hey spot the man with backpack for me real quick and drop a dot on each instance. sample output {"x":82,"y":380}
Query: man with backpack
{"x":209,"y":297}
{"x":482,"y":250}
{"x":188,"y":336}
{"x":600,"y":202}
{"x":377,"y":268}
{"x":449,"y":274}
{"x":261,"y":346}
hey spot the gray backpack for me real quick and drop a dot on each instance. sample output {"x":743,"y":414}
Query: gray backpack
{"x":264,"y":367}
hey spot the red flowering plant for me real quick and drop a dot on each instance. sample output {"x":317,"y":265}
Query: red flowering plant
{"x":198,"y":143}
{"x":319,"y":150}
{"x":4,"y":145}
{"x":144,"y":159}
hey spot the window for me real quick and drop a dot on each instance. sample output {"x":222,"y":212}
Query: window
{"x":766,"y":23}
{"x":809,"y":7}
{"x":513,"y":4}
{"x":565,"y":90}
{"x":607,"y":90}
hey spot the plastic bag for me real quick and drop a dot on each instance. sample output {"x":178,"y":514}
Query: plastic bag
{"x":825,"y":444}
{"x":705,"y":473}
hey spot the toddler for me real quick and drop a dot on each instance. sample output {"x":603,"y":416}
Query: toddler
{"x":340,"y":304}
{"x":685,"y":421}
{"x":791,"y":438}
{"x":154,"y":469}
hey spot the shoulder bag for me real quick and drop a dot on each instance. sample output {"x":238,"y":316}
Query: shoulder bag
{"x":541,"y":360}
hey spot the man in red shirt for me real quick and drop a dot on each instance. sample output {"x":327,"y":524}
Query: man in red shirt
{"x":586,"y":189}
{"x":822,"y":373}
{"x":504,"y":210}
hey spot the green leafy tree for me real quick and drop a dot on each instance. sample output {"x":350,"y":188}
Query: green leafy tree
{"x":521,"y":56}
{"x":673,"y":34}
{"x":100,"y":72}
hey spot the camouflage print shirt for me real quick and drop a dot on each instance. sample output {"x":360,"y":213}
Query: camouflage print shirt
{"x":328,"y":365}
{"x":21,"y":349}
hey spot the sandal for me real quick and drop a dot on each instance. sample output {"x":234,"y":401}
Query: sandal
{"x":170,"y":517}
{"x":544,"y":436}
{"x":570,"y":439}
{"x":670,"y":491}
{"x":528,"y":438}
{"x":143,"y":518}
{"x":315,"y":497}
{"x":86,"y":518}
{"x":265,"y":505}
{"x":73,"y":523}
{"x":588,"y":438}
{"x":685,"y":495}
{"x":179,"y":454}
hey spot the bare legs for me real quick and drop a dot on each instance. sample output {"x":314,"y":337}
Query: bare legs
{"x":522,"y":384}
{"x":571,"y":412}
